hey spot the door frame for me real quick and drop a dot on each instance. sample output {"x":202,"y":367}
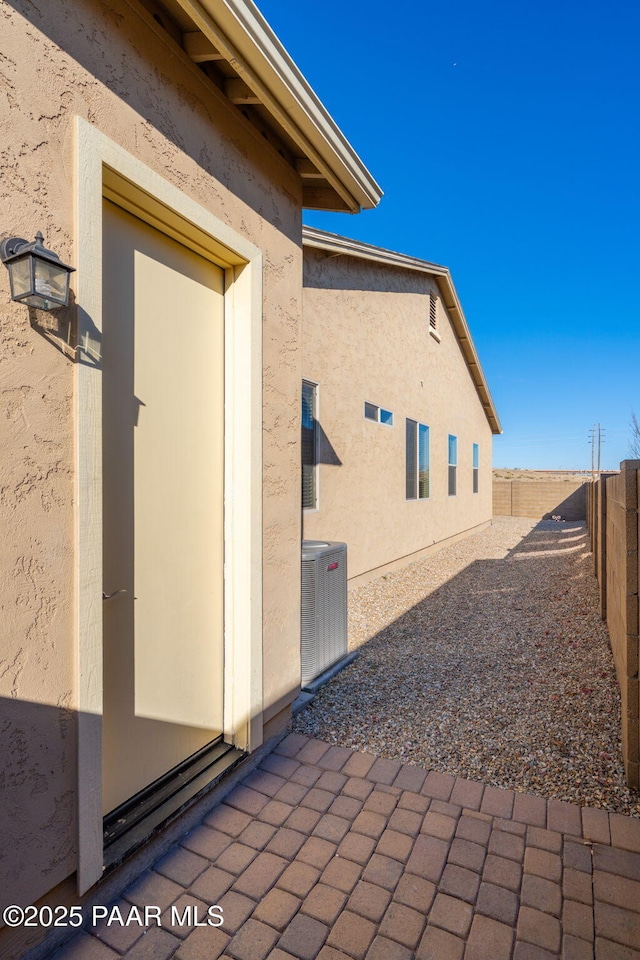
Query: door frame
{"x":105,"y":169}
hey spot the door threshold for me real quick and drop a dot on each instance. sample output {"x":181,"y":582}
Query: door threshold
{"x":134,"y":822}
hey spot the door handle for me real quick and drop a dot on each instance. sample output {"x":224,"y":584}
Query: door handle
{"x":108,"y":596}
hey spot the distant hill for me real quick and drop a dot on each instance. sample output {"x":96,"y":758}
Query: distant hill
{"x":570,"y":475}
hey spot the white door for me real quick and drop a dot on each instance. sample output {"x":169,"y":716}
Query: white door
{"x":163,"y":397}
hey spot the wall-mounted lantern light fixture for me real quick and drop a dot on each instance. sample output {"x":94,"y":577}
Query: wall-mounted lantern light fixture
{"x":38,"y":276}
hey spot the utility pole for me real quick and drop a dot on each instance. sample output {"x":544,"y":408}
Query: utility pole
{"x":596,"y":439}
{"x":600,"y":442}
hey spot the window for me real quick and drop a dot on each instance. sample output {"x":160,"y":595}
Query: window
{"x":309,"y":446}
{"x":417,"y":461}
{"x":374,"y":412}
{"x":476,"y":467}
{"x":453,"y":464}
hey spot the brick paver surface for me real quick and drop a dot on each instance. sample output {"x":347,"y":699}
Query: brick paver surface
{"x":328,"y":854}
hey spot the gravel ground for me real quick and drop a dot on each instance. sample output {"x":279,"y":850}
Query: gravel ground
{"x":487,"y":660}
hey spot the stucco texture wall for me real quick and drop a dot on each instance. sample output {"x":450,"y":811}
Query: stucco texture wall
{"x":108,"y":63}
{"x":366,"y":337}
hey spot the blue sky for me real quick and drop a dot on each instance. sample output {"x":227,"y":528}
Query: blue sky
{"x":506,"y":137}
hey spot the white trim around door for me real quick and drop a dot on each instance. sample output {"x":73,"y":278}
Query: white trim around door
{"x":104,"y":169}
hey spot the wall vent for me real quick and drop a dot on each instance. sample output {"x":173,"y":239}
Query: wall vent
{"x":324,"y":607}
{"x":433,"y":317}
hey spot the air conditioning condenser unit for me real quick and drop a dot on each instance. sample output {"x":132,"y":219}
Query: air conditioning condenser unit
{"x":324,"y":606}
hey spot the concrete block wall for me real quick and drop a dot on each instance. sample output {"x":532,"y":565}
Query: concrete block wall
{"x":502,"y":498}
{"x":540,"y":499}
{"x":613,"y":518}
{"x":600,"y":540}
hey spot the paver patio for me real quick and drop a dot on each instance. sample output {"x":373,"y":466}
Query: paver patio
{"x":326,"y":853}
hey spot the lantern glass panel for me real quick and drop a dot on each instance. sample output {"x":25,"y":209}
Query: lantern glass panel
{"x":20,"y":274}
{"x":51,"y":281}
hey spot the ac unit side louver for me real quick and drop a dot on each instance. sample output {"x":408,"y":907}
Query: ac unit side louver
{"x":324,"y":606}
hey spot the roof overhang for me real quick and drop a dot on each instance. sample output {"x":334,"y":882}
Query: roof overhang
{"x":335,"y":245}
{"x":259,"y":73}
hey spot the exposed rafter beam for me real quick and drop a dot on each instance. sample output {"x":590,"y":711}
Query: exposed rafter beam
{"x":239,"y":92}
{"x":321,"y":198}
{"x":308,"y":170}
{"x":238,"y":30}
{"x":199,"y":47}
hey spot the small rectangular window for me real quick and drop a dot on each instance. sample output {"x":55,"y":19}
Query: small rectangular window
{"x":309,"y":446}
{"x":373,"y":412}
{"x":476,"y":467}
{"x":416,"y":461}
{"x":453,"y":464}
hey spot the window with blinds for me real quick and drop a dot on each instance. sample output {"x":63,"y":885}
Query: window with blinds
{"x":453,"y":465}
{"x":476,"y":467}
{"x":309,"y":446}
{"x":417,"y":460}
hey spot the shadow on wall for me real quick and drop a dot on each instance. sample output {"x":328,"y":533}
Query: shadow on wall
{"x":326,"y":451}
{"x":573,"y":507}
{"x":39,"y":828}
{"x":540,"y":499}
{"x":38,"y":825}
{"x":328,"y":272}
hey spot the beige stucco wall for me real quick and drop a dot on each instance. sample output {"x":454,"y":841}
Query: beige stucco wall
{"x":106,"y":63}
{"x":366,"y":337}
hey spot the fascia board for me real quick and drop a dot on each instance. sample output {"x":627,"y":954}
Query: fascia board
{"x":336,"y":245}
{"x":333,"y":243}
{"x":243,"y":36}
{"x":458,"y":319}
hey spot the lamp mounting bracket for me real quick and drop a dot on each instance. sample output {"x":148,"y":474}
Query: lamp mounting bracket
{"x":10,"y":246}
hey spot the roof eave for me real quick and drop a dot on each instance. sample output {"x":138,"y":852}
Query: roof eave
{"x":239,"y":31}
{"x":458,"y":319}
{"x":334,"y":243}
{"x":337,"y":245}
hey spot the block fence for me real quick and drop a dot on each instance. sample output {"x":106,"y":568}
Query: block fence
{"x":613,"y":521}
{"x":540,"y":499}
